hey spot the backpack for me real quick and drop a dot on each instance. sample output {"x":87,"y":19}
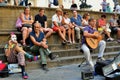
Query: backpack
{"x":55,"y":2}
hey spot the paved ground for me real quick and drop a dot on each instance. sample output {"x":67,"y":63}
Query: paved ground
{"x":69,"y":72}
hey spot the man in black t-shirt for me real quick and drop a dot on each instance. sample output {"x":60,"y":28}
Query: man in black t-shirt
{"x":73,"y":6}
{"x":41,"y":18}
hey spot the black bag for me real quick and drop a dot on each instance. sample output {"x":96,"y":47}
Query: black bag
{"x":5,"y":72}
{"x":27,"y":25}
{"x":55,"y":2}
{"x":100,"y":65}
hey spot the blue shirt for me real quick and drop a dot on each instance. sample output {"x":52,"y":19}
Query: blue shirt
{"x":38,"y":39}
{"x":90,"y":30}
{"x":76,"y":21}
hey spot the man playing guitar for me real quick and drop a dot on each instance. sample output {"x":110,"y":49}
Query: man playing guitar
{"x":88,"y":32}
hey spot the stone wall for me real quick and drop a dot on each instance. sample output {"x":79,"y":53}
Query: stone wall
{"x":9,"y":14}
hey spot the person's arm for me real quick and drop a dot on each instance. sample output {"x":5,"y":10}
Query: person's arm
{"x":89,"y":35}
{"x":16,"y":2}
{"x":45,"y":24}
{"x":31,"y":20}
{"x":63,"y":21}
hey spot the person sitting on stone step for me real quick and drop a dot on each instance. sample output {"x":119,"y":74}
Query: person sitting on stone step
{"x":57,"y":25}
{"x":76,"y":21}
{"x":103,"y":28}
{"x":42,"y":18}
{"x":38,"y":45}
{"x":27,"y":21}
{"x":15,"y":53}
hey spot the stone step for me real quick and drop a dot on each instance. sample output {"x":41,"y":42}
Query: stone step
{"x":68,"y":60}
{"x":53,"y":47}
{"x":73,"y":46}
{"x":59,"y":46}
{"x":75,"y":52}
{"x":5,"y":32}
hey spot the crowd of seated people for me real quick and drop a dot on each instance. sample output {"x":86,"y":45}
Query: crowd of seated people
{"x":38,"y":31}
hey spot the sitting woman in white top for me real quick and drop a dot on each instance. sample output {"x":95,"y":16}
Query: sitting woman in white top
{"x":69,"y":27}
{"x":86,"y":17}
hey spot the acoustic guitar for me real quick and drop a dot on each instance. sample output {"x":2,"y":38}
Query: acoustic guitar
{"x":93,"y":42}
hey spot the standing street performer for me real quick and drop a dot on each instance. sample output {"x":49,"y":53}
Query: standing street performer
{"x":90,"y":40}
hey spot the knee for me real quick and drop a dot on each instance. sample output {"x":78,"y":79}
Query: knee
{"x":59,"y":30}
{"x":103,"y":42}
{"x":20,"y":54}
{"x":50,"y":30}
{"x":30,"y":30}
{"x":77,"y":30}
{"x":24,"y":29}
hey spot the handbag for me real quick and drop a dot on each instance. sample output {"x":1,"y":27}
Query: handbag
{"x":18,"y":23}
{"x":3,"y":70}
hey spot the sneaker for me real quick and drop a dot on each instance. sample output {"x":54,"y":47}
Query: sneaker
{"x":110,"y":39}
{"x":100,"y":59}
{"x":52,"y":56}
{"x":24,"y":75}
{"x":44,"y":67}
{"x":63,"y":43}
{"x":118,"y":40}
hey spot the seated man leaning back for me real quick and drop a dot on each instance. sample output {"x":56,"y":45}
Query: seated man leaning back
{"x":38,"y":44}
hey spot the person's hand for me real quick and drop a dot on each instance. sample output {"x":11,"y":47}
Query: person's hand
{"x":96,"y":36}
{"x":44,"y":45}
{"x":15,"y":42}
{"x":44,"y":40}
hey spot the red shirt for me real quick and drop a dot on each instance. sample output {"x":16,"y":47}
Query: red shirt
{"x":101,"y":22}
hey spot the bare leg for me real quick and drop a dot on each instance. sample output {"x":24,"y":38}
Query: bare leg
{"x":69,"y":35}
{"x":19,"y":49}
{"x":29,"y":30}
{"x":63,"y":30}
{"x":49,"y":32}
{"x":24,"y":34}
{"x":73,"y":35}
{"x":61,"y":34}
{"x":118,"y":33}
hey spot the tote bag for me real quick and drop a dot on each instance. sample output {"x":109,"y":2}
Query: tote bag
{"x":18,"y":23}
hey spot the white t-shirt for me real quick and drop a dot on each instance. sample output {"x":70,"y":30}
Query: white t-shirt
{"x":67,"y":20}
{"x":56,"y":19}
{"x":85,"y":22}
